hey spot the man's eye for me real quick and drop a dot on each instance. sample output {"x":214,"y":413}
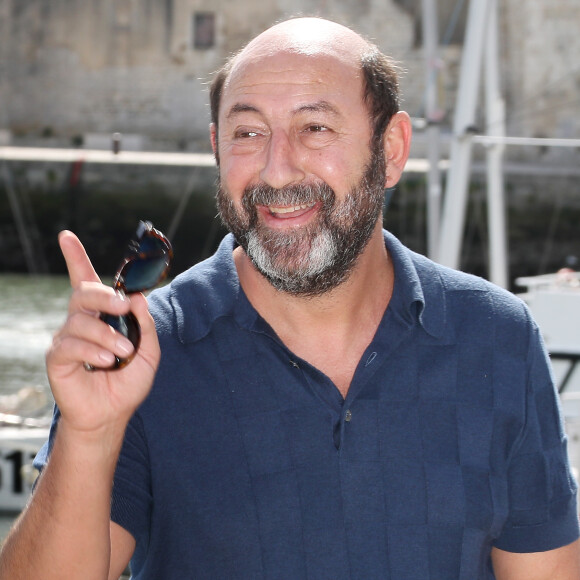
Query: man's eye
{"x":316,"y":128}
{"x":246,"y":134}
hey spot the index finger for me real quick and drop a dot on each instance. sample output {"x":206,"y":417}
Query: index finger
{"x":79,"y":266}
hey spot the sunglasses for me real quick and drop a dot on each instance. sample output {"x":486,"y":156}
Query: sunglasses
{"x":145,"y":265}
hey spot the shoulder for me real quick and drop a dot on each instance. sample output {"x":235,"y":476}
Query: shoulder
{"x":455,"y":280}
{"x":488,"y":314}
{"x":195,"y":298}
{"x":451,"y":299}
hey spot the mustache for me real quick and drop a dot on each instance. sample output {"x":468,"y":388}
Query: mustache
{"x":263,"y":194}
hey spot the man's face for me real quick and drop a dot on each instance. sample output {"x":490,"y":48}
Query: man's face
{"x":299,"y":187}
{"x":315,"y":258}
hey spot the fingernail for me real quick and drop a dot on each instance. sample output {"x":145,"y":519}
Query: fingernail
{"x":124,"y":347}
{"x":108,"y":358}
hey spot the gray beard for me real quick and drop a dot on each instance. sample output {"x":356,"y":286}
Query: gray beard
{"x":312,"y":260}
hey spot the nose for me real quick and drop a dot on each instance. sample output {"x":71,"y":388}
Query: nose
{"x":282,"y":165}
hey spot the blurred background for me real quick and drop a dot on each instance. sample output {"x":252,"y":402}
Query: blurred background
{"x":73,"y":73}
{"x":104,"y":121}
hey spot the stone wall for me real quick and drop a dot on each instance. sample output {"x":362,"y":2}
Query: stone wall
{"x":541,"y":71}
{"x":74,"y":71}
{"x":76,"y":67}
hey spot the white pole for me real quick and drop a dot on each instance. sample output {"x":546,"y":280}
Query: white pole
{"x":523,"y":141}
{"x":495,"y":112}
{"x":455,"y":200}
{"x":430,"y":44}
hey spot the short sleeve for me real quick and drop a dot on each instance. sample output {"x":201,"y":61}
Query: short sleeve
{"x":131,"y":498}
{"x":541,"y":489}
{"x":43,"y":454}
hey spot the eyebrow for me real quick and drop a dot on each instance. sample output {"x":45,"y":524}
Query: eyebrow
{"x":241,"y":108}
{"x":317,"y":107}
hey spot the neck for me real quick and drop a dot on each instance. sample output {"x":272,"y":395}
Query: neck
{"x":335,"y":326}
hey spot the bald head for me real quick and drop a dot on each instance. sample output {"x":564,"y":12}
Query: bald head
{"x":318,"y":38}
{"x":308,"y":37}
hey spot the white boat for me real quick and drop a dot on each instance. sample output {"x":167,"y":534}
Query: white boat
{"x":18,"y":447}
{"x":554,"y":300}
{"x":24,"y":425}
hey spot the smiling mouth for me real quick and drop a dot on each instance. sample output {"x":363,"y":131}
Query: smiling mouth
{"x":290,"y":211}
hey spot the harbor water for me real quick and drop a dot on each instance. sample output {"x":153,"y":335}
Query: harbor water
{"x":32,"y":308}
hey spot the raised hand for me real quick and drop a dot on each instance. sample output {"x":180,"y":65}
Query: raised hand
{"x":92,"y":401}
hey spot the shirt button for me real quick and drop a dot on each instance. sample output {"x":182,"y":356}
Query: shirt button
{"x":348,"y":415}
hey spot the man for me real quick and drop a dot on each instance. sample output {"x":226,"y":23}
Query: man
{"x":328,"y":404}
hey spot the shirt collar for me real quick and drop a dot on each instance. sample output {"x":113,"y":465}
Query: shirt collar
{"x":418,"y":294}
{"x":211,"y":290}
{"x":204,"y":293}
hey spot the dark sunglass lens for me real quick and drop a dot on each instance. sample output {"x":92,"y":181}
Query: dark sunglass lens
{"x":144,"y":273}
{"x":150,"y":244}
{"x":128,"y":326}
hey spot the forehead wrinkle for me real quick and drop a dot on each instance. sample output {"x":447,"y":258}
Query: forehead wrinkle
{"x":269,"y":70}
{"x":262,"y":56}
{"x":242,"y":85}
{"x":321,"y":106}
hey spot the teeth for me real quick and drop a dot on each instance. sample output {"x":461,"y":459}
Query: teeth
{"x":290,"y":209}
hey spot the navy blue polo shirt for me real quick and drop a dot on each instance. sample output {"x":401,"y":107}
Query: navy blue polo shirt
{"x":245,"y":462}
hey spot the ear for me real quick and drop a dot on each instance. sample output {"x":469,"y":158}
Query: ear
{"x":214,"y":141}
{"x":397,"y":143}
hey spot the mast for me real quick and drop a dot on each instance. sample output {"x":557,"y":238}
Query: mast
{"x":455,"y":201}
{"x":495,"y":112}
{"x":430,"y":44}
{"x":481,"y":41}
